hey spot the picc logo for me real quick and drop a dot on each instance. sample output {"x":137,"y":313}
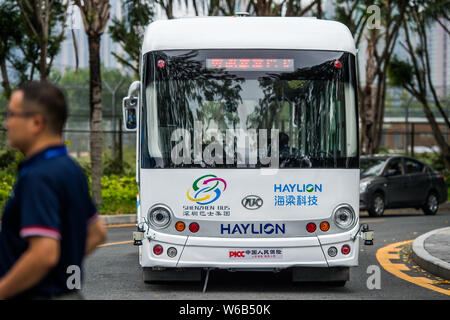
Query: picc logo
{"x":237,"y":254}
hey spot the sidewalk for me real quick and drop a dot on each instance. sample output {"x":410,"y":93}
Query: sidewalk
{"x":431,"y":251}
{"x":445,"y":205}
{"x":118,"y":219}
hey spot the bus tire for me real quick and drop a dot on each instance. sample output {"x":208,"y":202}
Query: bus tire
{"x":151,"y":275}
{"x":330,"y":275}
{"x":337,"y":283}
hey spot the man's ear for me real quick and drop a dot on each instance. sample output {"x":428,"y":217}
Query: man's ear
{"x":38,"y":123}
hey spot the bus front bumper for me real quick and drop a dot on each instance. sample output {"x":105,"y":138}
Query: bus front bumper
{"x":251,"y":253}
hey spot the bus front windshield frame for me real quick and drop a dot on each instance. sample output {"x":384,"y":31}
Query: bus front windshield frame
{"x":248,"y":110}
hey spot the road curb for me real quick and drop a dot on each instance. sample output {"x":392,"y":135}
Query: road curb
{"x":118,"y":219}
{"x":426,"y":260}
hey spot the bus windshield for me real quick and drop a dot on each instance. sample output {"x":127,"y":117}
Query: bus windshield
{"x":249,"y":109}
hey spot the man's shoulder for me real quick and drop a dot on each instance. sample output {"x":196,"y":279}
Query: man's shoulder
{"x":59,"y":167}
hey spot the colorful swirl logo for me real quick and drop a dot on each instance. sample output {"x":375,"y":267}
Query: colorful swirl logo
{"x":207,"y":189}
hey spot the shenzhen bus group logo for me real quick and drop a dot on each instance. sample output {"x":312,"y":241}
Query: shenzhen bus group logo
{"x":206,"y":189}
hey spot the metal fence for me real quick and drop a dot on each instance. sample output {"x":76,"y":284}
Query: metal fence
{"x":115,"y":142}
{"x":76,"y":132}
{"x":417,"y":138}
{"x":406,"y":128}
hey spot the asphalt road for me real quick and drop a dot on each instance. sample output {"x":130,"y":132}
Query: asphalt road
{"x":113,"y":271}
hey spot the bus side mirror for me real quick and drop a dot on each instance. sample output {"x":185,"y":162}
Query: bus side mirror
{"x":129,"y":105}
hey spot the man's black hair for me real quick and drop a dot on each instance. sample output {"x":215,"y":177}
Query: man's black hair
{"x":49,"y":100}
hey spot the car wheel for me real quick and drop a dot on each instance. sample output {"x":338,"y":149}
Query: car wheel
{"x":376,"y":208}
{"x":431,"y":205}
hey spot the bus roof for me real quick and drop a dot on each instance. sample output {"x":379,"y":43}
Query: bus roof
{"x":248,"y":33}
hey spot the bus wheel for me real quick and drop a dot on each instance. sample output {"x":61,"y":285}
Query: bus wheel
{"x":376,"y":207}
{"x":431,"y":206}
{"x":337,"y":283}
{"x":151,"y":275}
{"x":335,"y":276}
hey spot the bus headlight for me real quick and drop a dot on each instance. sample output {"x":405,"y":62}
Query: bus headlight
{"x":159,"y":216}
{"x":344,"y":216}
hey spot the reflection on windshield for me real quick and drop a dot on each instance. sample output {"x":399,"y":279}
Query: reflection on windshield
{"x":371,"y":167}
{"x":214,"y":118}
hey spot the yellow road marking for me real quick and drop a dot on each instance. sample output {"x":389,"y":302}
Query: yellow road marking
{"x":114,"y":243}
{"x":120,"y":225}
{"x":384,"y":255}
{"x":371,"y":221}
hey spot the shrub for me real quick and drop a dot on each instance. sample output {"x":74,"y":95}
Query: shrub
{"x":433,"y":159}
{"x":118,"y":191}
{"x":9,"y":160}
{"x":115,"y":167}
{"x":116,"y":187}
{"x":118,"y":194}
{"x":6,"y":158}
{"x":6,"y":185}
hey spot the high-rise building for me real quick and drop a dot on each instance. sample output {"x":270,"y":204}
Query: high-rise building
{"x":438,"y":46}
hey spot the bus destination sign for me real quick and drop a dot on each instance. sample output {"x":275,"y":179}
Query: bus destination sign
{"x":232,"y":64}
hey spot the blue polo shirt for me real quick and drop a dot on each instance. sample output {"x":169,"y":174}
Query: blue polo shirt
{"x":50,"y":198}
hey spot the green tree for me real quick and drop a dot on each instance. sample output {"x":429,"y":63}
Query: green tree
{"x":31,"y":35}
{"x":45,"y":25}
{"x":379,"y":30}
{"x":414,"y":73}
{"x":294,"y":8}
{"x":95,"y":15}
{"x":129,"y":31}
{"x":10,"y":35}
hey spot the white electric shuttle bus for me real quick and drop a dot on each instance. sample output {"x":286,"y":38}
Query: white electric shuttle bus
{"x":247,"y":148}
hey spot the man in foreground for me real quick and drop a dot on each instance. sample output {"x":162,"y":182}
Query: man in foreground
{"x":49,"y":222}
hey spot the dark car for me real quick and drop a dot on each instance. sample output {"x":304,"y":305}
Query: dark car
{"x":399,"y":182}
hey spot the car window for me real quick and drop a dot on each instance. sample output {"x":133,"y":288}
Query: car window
{"x":394,"y":167}
{"x":371,"y":167}
{"x":413,"y":166}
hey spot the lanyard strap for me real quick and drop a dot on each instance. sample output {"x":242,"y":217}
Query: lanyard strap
{"x":53,"y":153}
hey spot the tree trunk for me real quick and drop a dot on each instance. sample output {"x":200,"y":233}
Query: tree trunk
{"x":120,"y":141}
{"x":5,"y":80}
{"x":43,"y":60}
{"x":264,"y":8}
{"x":319,"y":9}
{"x":381,"y":97}
{"x":95,"y":96}
{"x":368,"y":108}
